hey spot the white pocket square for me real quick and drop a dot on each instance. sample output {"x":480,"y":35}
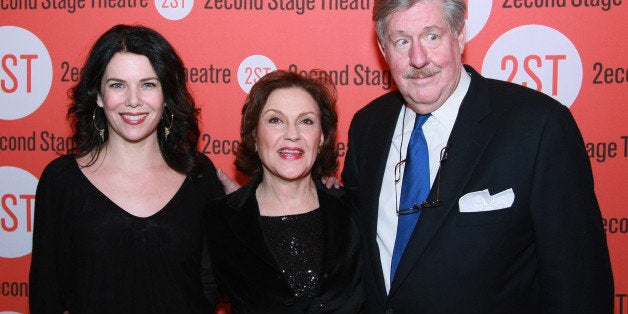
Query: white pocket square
{"x":482,"y":201}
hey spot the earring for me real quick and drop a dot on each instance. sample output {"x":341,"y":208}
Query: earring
{"x":101,"y":132}
{"x":167,"y":129}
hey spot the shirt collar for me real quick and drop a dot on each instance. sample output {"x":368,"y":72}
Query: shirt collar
{"x":447,"y":113}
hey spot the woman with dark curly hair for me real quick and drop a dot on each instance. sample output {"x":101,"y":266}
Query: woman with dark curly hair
{"x":118,"y":220}
{"x":284,"y":243}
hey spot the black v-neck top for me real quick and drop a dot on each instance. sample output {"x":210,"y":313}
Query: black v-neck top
{"x":91,"y":256}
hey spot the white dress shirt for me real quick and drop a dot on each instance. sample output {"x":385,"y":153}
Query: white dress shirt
{"x":436,"y":129}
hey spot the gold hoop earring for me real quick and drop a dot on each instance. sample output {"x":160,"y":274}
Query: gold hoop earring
{"x":167,"y":129}
{"x":101,"y":132}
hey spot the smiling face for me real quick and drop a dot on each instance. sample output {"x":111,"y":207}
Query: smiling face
{"x":424,"y":55}
{"x":288,"y":134}
{"x":132,"y":98}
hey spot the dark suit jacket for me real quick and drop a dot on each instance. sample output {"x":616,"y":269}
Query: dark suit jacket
{"x":246,"y":271}
{"x":545,"y":254}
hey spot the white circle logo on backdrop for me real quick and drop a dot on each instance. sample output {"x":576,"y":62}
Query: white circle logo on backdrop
{"x":478,"y":12}
{"x":538,"y":57}
{"x":17,"y":204}
{"x":174,"y":9}
{"x":25,"y":72}
{"x":252,"y":69}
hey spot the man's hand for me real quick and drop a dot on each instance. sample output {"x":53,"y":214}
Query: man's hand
{"x":330,"y":182}
{"x":228,"y":184}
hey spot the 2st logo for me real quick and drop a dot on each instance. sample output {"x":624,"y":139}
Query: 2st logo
{"x":530,"y":64}
{"x":11,"y":205}
{"x":25,"y":72}
{"x":12,"y":65}
{"x":173,"y":4}
{"x":174,"y":9}
{"x":538,"y":57}
{"x":17,"y":205}
{"x":252,"y":69}
{"x":253,"y":74}
{"x":478,"y":12}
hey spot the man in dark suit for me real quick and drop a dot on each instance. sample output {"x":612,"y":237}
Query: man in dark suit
{"x":511,"y":223}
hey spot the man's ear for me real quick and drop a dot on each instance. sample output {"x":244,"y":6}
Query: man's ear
{"x":462,"y":38}
{"x":381,"y":49}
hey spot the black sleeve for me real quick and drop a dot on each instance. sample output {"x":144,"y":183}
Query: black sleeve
{"x":210,"y":287}
{"x":45,"y":284}
{"x":573,"y":259}
{"x":214,"y":190}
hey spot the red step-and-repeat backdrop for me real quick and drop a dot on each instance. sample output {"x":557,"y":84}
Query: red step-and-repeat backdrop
{"x":572,"y":50}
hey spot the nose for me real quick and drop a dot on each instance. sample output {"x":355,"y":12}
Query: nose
{"x":133,"y":98}
{"x":418,"y":55}
{"x":291,"y":132}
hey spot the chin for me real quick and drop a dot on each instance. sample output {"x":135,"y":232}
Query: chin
{"x":293,"y":176}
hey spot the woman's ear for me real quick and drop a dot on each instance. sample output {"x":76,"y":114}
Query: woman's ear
{"x":99,"y":101}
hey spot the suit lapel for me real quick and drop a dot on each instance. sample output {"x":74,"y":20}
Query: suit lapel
{"x":245,"y":223}
{"x":380,"y":136}
{"x":333,"y":224}
{"x":472,"y":131}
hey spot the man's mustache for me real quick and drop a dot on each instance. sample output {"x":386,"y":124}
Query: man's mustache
{"x":421,"y":73}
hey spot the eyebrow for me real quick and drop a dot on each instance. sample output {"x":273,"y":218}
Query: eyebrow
{"x":426,"y":29}
{"x":121,"y":80}
{"x":432,"y":28}
{"x":281,"y":112}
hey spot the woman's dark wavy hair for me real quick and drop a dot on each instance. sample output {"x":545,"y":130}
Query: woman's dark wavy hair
{"x":180,"y":149}
{"x":321,"y":88}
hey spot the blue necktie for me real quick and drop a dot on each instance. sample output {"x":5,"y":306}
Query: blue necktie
{"x":414,"y":190}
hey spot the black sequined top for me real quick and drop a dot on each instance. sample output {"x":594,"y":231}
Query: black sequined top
{"x":309,"y":263}
{"x":296,"y":241}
